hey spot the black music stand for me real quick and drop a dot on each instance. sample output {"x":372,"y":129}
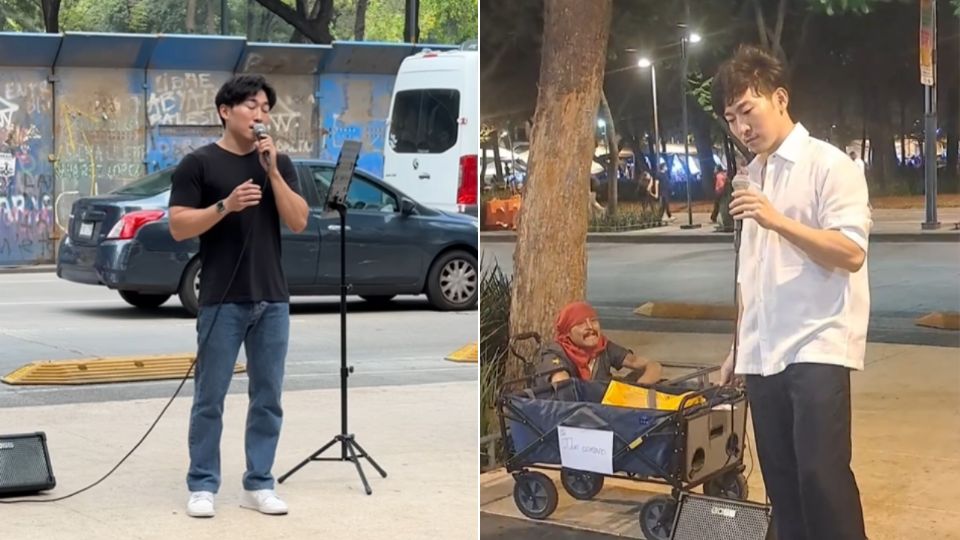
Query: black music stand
{"x":336,"y":202}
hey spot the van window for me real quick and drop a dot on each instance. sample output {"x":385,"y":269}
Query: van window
{"x":424,"y":121}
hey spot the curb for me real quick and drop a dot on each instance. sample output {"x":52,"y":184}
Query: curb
{"x":673,"y":310}
{"x":28,"y":269}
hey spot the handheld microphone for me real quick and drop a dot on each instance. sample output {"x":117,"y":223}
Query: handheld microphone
{"x":740,"y":182}
{"x":260,"y":131}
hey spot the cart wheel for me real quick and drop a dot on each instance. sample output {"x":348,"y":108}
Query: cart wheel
{"x":729,"y":486}
{"x":656,"y":517}
{"x":581,"y":485}
{"x":535,"y":494}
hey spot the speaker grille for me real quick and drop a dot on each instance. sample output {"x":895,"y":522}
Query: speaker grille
{"x":709,"y":518}
{"x":24,"y":466}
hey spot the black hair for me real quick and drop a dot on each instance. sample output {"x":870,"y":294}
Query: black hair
{"x":750,"y":68}
{"x":241,"y":88}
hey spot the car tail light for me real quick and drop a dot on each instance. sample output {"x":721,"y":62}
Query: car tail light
{"x":467,"y":186}
{"x":130,"y":223}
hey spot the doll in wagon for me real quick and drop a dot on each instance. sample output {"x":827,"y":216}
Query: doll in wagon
{"x":580,"y":350}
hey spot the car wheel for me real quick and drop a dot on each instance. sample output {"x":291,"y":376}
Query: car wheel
{"x":190,"y":287}
{"x":452,"y":281}
{"x":144,"y":301}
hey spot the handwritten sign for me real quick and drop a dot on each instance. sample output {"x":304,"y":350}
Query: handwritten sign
{"x":586,"y":449}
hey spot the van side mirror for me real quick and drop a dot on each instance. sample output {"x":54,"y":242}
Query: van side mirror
{"x":407,"y":207}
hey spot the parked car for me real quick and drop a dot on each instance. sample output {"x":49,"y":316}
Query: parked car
{"x":394,"y":245}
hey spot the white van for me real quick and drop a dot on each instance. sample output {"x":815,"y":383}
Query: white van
{"x":434,"y":129}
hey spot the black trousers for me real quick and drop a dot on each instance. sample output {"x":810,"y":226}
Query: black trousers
{"x":801,"y":418}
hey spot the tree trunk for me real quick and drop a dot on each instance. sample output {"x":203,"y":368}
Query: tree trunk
{"x":903,"y":132}
{"x":950,"y":122}
{"x":191,"y":16}
{"x":497,"y":163}
{"x":360,"y":24}
{"x":550,"y":259}
{"x":704,"y":142}
{"x":613,"y":158}
{"x":212,"y":16}
{"x":314,"y":27}
{"x":51,"y":15}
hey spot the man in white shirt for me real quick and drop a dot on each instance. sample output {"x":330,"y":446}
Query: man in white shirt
{"x":804,"y":301}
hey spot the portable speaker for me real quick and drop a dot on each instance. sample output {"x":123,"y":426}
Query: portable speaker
{"x":25,"y":464}
{"x":710,"y":518}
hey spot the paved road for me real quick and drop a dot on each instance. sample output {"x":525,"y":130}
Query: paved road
{"x":906,"y":280}
{"x":45,"y":318}
{"x":493,"y":527}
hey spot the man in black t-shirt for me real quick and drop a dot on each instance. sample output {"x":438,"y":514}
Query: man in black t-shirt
{"x":233,"y":194}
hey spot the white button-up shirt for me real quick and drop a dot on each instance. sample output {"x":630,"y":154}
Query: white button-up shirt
{"x":795,"y":310}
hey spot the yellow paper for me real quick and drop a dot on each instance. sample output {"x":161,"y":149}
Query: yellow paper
{"x":626,"y":395}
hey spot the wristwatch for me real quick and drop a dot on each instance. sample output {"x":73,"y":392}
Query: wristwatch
{"x":220,"y":207}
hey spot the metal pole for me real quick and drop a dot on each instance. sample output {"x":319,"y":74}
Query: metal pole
{"x":930,"y":140}
{"x":656,"y":124}
{"x":686,"y":142}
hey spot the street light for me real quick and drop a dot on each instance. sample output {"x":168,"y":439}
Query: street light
{"x":646,"y":63}
{"x":688,"y":37}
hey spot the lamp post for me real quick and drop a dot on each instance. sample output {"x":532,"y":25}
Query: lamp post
{"x":646,"y":63}
{"x":691,"y":38}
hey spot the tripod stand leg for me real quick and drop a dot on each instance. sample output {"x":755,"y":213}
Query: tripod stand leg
{"x":308,"y":460}
{"x":364,"y":453}
{"x":356,"y":461}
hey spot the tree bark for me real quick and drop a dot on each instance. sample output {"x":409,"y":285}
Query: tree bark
{"x":550,"y":259}
{"x":613,"y":161}
{"x":703,"y":140}
{"x":497,"y":162}
{"x":360,"y":24}
{"x":953,"y":130}
{"x":191,"y":16}
{"x":212,"y":16}
{"x":51,"y":15}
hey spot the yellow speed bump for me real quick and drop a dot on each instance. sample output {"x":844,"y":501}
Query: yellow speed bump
{"x":672,"y":310}
{"x":948,"y":320}
{"x":105,"y":370}
{"x":469,"y":353}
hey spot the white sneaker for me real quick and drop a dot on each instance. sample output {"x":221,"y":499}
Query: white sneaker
{"x":264,"y":501}
{"x":200,"y":504}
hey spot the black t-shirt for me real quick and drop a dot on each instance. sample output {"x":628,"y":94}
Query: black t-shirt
{"x":611,"y":358}
{"x":210,"y":174}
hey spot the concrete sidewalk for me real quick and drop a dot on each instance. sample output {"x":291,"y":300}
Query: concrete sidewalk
{"x":906,"y":431}
{"x":425,"y":437}
{"x":889,"y":226}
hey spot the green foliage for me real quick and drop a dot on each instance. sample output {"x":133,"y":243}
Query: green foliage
{"x":626,"y":219}
{"x":494,"y":337}
{"x":441,"y":21}
{"x":21,"y":16}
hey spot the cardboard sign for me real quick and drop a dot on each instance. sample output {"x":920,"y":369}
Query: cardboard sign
{"x":586,"y":449}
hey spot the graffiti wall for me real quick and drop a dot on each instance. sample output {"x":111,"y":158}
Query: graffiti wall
{"x":26,"y":186}
{"x":110,"y":109}
{"x":355,"y":107}
{"x":181,"y":113}
{"x":294,"y":117}
{"x":99,"y":131}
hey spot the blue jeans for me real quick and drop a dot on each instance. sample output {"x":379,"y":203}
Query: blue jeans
{"x":264,"y":330}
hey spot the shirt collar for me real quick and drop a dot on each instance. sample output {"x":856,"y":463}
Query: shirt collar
{"x":790,"y":148}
